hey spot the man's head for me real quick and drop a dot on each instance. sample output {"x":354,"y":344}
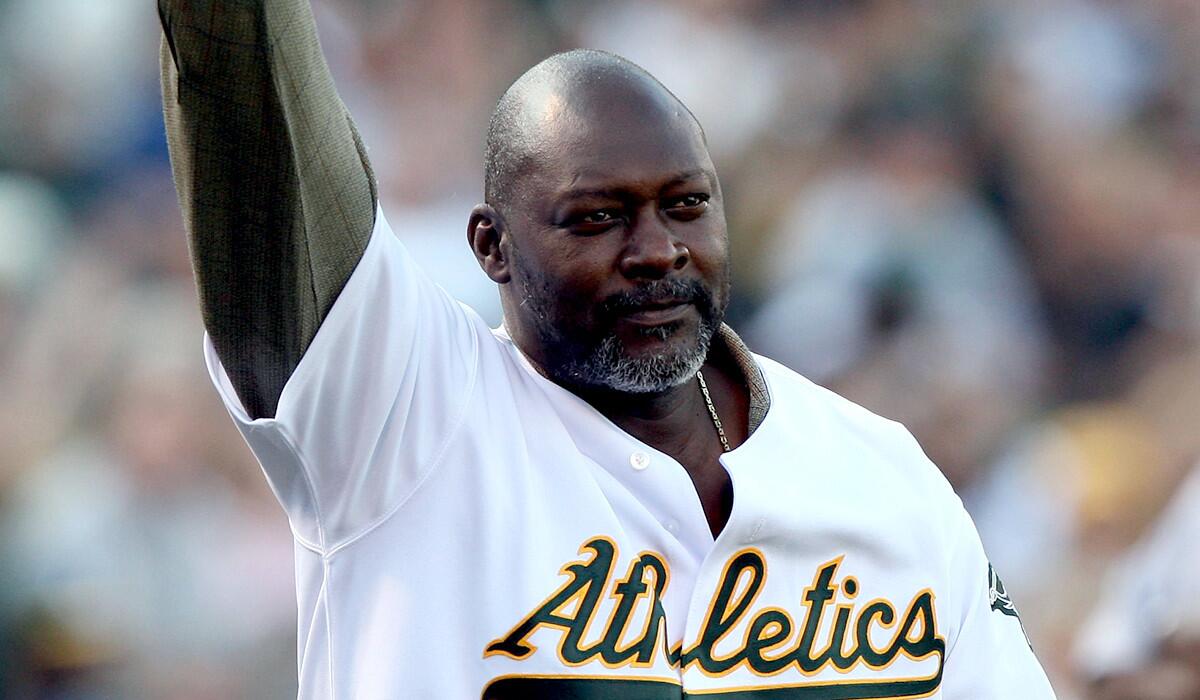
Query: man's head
{"x":603,"y":225}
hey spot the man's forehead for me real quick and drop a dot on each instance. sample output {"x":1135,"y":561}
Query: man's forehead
{"x":618,"y":144}
{"x":612,"y":176}
{"x":604,"y":145}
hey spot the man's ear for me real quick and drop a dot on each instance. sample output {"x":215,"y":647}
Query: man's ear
{"x":487,"y":236}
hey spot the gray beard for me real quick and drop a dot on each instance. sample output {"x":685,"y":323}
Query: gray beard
{"x":608,"y":366}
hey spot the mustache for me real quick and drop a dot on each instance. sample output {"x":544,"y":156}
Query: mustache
{"x":663,"y":291}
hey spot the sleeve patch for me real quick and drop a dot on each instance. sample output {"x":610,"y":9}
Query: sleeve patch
{"x":1001,"y":602}
{"x":998,"y":597}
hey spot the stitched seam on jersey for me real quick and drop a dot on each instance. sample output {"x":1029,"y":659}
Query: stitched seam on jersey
{"x":325,"y":586}
{"x":434,"y":463}
{"x":975,"y":599}
{"x":289,"y":443}
{"x":310,"y":546}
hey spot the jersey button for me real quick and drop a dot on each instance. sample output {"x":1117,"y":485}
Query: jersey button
{"x":639,"y":460}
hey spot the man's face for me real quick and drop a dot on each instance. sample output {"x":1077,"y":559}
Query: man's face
{"x":619,"y":253}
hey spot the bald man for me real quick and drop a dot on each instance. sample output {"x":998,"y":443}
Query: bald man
{"x":608,"y":496}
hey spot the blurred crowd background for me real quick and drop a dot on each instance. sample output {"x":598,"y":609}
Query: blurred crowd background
{"x":978,"y":217}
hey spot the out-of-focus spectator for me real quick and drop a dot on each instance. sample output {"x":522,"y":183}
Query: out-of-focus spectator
{"x":78,"y":91}
{"x":719,"y":41}
{"x":889,"y":281}
{"x":33,"y":224}
{"x":136,"y":552}
{"x":1143,"y":636}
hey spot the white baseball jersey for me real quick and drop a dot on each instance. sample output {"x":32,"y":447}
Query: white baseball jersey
{"x":466,"y":528}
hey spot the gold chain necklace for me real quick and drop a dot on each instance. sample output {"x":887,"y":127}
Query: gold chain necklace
{"x":713,"y":412}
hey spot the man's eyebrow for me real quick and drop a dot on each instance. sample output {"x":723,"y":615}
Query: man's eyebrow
{"x":590,"y":193}
{"x":619,"y":192}
{"x":688,"y":176}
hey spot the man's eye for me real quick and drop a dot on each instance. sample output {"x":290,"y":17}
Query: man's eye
{"x":690,"y":203}
{"x":595,"y":221}
{"x":596,"y":217}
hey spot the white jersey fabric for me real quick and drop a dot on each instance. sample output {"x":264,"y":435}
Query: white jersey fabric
{"x":466,"y":528}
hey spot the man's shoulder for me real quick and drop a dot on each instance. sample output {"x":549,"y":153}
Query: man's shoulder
{"x":868,"y":442}
{"x":798,"y":396}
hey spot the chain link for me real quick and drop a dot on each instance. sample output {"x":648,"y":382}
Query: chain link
{"x":712,"y":411}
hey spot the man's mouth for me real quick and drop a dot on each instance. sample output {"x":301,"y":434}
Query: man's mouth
{"x":657,"y":306}
{"x":657,"y":313}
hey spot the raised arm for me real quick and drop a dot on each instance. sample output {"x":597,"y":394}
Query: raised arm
{"x":277,"y":194}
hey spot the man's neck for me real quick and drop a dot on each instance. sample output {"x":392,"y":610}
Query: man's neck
{"x":671,"y":420}
{"x":666,"y":420}
{"x":677,"y":421}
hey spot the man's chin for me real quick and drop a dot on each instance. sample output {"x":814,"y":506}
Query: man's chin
{"x":650,"y":375}
{"x":652,"y":360}
{"x":656,"y":338}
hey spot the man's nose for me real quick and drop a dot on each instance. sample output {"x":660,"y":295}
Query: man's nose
{"x":653,"y":250}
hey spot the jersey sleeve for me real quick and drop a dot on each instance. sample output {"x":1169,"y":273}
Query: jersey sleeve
{"x":373,"y":402}
{"x":988,"y":656}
